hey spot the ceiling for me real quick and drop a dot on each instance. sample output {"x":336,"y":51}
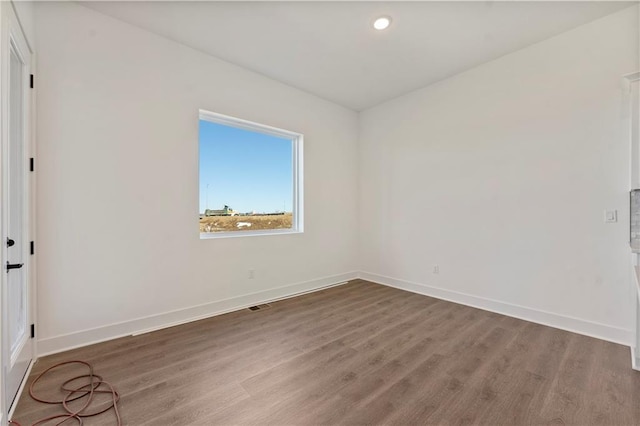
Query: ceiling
{"x":331,"y":50}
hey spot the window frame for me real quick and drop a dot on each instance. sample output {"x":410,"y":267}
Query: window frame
{"x":297,"y":139}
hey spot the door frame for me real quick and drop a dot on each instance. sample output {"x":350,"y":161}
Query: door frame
{"x":10,"y":25}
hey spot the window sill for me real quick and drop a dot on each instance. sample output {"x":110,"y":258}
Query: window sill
{"x":236,"y":234}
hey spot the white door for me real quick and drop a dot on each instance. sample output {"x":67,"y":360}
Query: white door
{"x":16,"y":319}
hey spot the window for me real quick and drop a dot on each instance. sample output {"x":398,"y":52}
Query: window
{"x":250,"y":178}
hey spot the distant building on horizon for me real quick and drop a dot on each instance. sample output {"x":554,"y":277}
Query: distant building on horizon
{"x":226,"y":211}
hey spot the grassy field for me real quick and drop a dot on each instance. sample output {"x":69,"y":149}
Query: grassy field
{"x":245,"y":223}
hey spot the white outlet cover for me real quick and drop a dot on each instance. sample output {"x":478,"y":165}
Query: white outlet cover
{"x":611,"y":216}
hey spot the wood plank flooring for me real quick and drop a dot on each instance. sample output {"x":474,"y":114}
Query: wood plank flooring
{"x":360,"y":353}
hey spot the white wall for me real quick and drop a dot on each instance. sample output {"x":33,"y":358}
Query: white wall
{"x":117,"y":174}
{"x":501,"y":175}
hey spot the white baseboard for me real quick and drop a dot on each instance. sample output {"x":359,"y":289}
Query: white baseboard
{"x":78,"y":339}
{"x":588,"y":328}
{"x":65,"y":342}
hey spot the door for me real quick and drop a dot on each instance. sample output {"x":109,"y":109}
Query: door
{"x":16,"y":319}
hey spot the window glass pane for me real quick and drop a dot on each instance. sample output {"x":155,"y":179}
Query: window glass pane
{"x":246,"y":179}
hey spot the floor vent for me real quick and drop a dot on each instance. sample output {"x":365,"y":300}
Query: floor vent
{"x":259,"y":307}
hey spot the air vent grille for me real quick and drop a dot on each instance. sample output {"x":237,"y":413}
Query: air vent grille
{"x":259,"y":307}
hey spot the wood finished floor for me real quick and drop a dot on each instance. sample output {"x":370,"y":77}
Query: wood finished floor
{"x":360,"y":353}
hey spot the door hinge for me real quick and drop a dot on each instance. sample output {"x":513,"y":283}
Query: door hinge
{"x":33,"y":247}
{"x":33,"y":331}
{"x":31,"y":81}
{"x":32,"y":164}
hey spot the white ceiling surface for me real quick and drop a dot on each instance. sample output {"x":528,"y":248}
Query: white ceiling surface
{"x":330,"y":49}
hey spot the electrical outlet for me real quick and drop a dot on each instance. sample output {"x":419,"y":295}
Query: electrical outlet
{"x":610,"y":216}
{"x":252,"y":274}
{"x":436,"y":269}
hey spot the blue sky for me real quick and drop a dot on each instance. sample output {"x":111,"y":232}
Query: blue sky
{"x":248,"y":171}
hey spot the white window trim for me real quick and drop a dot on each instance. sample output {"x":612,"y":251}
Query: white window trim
{"x":297,"y":225}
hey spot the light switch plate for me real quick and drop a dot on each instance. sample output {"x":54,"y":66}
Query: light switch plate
{"x":610,"y":216}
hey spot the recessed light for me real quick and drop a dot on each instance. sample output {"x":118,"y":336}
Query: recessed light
{"x":382,"y":23}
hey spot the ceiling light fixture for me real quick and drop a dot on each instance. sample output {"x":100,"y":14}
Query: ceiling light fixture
{"x":382,"y":23}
